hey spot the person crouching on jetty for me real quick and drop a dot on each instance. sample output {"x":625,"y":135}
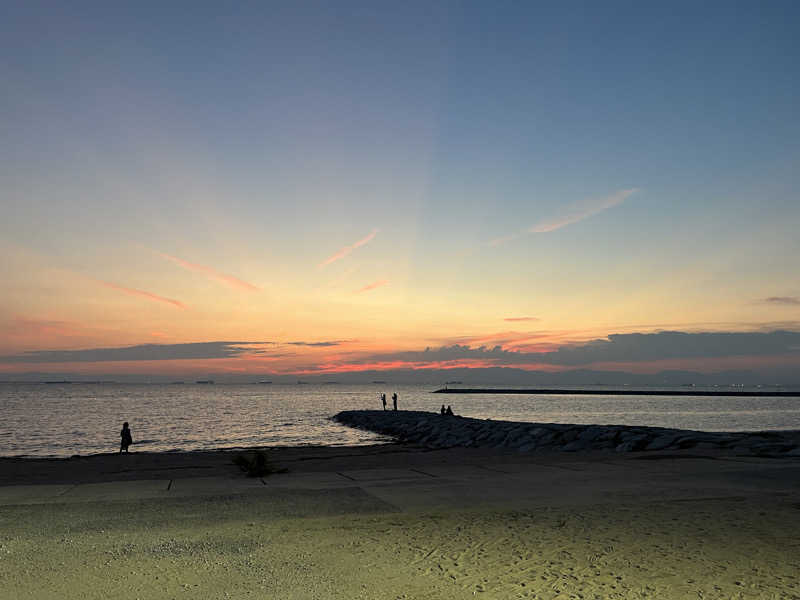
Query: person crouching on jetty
{"x":127,"y":439}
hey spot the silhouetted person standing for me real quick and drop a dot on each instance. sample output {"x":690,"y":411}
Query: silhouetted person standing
{"x":449,"y":411}
{"x":394,"y":401}
{"x":443,"y":411}
{"x":127,"y":439}
{"x":383,"y":399}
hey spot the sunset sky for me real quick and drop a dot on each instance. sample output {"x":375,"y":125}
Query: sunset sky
{"x":321,"y":187}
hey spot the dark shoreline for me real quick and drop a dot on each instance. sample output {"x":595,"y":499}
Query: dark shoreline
{"x":143,"y":464}
{"x":615,"y":392}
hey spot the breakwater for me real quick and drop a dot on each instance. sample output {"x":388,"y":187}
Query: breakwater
{"x":437,"y":431}
{"x":581,"y":392}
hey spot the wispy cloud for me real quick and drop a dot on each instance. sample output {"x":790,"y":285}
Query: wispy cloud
{"x":372,"y":286}
{"x":583,"y":210}
{"x":212,"y":273}
{"x":505,"y":239}
{"x":573,"y":213}
{"x":521,"y":319}
{"x":143,"y":294}
{"x":348,"y":249}
{"x":790,"y":300}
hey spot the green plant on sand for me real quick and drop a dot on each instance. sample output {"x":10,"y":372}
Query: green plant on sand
{"x":256,"y":464}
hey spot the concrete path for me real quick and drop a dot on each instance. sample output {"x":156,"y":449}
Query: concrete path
{"x":566,"y":481}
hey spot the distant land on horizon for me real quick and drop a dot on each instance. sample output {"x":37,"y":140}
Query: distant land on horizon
{"x":467,"y":376}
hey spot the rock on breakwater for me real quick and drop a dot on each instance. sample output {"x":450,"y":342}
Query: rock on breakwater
{"x":437,"y":431}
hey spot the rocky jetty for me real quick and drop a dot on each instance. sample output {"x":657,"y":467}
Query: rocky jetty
{"x":437,"y":431}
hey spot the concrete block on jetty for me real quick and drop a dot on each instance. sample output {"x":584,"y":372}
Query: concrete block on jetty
{"x":438,"y":431}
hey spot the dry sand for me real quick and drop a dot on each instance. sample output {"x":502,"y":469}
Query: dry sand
{"x":559,"y":526}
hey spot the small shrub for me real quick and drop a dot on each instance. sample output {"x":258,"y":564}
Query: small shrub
{"x":256,"y":464}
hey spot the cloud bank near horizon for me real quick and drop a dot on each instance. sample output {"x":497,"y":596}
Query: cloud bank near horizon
{"x":318,"y":344}
{"x":193,"y":350}
{"x":622,"y":348}
{"x":787,"y":300}
{"x":616,"y":348}
{"x":160,"y":352}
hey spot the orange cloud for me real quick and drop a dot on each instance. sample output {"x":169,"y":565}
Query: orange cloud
{"x":521,"y":319}
{"x":508,"y":339}
{"x":372,"y":286}
{"x":348,"y":249}
{"x":390,"y":365}
{"x":228,"y":280}
{"x":143,"y":294}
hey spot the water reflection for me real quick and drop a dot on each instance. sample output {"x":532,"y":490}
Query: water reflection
{"x":82,"y":419}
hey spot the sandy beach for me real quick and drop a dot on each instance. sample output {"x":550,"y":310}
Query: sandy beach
{"x":401,"y":521}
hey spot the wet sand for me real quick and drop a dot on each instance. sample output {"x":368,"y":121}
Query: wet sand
{"x":396,"y":521}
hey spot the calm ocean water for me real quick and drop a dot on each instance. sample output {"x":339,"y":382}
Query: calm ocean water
{"x":62,"y":420}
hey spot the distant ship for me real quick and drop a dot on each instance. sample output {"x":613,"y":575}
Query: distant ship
{"x":205,"y":381}
{"x":378,"y":381}
{"x":57,"y":382}
{"x":302,"y":383}
{"x":264,"y":382}
{"x":452,"y":382}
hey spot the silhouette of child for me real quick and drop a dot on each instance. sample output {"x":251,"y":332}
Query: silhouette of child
{"x":127,"y":439}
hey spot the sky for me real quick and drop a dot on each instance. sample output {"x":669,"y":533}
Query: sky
{"x":305,"y":187}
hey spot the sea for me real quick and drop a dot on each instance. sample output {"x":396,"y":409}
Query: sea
{"x":65,"y":419}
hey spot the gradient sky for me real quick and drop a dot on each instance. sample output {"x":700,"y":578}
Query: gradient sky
{"x":345,"y":184}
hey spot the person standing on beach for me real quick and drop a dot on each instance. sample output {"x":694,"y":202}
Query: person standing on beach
{"x":383,"y":399}
{"x":394,"y":400}
{"x":127,"y":439}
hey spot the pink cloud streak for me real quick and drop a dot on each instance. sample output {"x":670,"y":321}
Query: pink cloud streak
{"x":521,"y":319}
{"x":348,"y":249}
{"x":573,"y":214}
{"x":143,"y":294}
{"x":504,"y":239}
{"x":582,"y":211}
{"x":228,"y":280}
{"x":372,"y":286}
